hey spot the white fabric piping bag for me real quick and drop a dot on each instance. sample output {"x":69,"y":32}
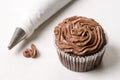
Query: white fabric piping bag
{"x":39,"y":12}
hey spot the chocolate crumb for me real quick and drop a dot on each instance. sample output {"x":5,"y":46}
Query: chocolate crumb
{"x":30,"y":52}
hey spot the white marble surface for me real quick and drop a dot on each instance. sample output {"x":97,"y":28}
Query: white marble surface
{"x":13,"y":66}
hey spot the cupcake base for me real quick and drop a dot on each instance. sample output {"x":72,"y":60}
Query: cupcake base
{"x":80,"y":64}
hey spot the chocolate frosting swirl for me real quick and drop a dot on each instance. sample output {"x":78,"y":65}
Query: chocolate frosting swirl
{"x":79,"y":35}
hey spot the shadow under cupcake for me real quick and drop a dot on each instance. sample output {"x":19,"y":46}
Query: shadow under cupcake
{"x":80,"y":43}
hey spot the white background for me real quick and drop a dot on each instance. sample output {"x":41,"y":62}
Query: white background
{"x":13,"y":66}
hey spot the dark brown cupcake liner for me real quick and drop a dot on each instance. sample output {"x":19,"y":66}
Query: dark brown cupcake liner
{"x":80,"y":64}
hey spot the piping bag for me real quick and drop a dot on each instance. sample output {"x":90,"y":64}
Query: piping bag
{"x":39,"y":13}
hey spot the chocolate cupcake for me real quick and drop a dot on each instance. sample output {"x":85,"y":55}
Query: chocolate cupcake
{"x":80,"y":43}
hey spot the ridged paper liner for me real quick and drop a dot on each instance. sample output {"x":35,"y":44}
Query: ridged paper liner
{"x":80,"y":64}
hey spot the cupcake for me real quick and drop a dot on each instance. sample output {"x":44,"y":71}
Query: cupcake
{"x":80,"y":43}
